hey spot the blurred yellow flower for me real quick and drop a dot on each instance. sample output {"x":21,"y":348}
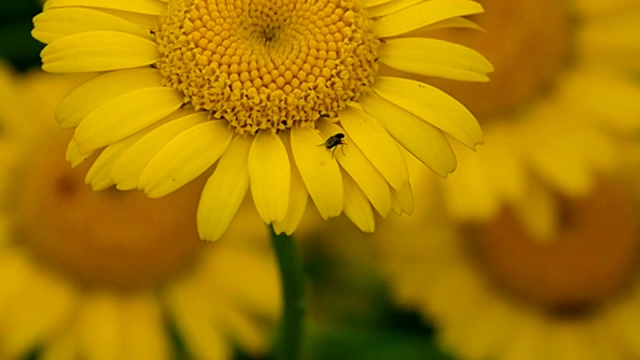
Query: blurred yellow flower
{"x":560,"y":110}
{"x":262,"y":89}
{"x":493,"y":293}
{"x":106,"y":275}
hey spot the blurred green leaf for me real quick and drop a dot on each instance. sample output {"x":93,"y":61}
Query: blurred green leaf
{"x":16,"y":44}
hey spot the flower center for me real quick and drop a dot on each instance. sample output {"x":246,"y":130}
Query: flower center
{"x":103,"y":238}
{"x":593,"y":257}
{"x":528,"y":43}
{"x":267,"y":64}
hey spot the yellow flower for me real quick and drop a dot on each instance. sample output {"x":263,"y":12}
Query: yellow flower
{"x":257,"y":91}
{"x":107,"y":275}
{"x":559,"y":111}
{"x":494,"y":293}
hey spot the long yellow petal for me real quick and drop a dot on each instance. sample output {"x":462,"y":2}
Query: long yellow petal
{"x":320,"y":173}
{"x":435,"y":57}
{"x":365,"y":175}
{"x":98,"y":51}
{"x":185,"y":157}
{"x":356,"y":206}
{"x":423,"y":140}
{"x":224,"y":191}
{"x":270,"y":176}
{"x":99,"y":175}
{"x":369,"y":3}
{"x":390,"y":7}
{"x":145,"y":336}
{"x":63,"y":345}
{"x":606,"y":98}
{"x":124,"y":116}
{"x":28,"y":320}
{"x":376,"y":144}
{"x":96,"y":92}
{"x":74,"y":156}
{"x":57,"y":23}
{"x":192,"y":314}
{"x":432,"y":105}
{"x":127,"y":169}
{"x":402,"y":200}
{"x":297,"y":200}
{"x":150,"y":7}
{"x":423,"y":14}
{"x":102,"y":342}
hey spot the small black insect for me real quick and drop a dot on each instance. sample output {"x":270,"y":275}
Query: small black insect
{"x":333,"y":142}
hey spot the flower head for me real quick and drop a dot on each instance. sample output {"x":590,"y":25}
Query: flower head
{"x":558,"y":113}
{"x":114,"y":275}
{"x":493,"y":292}
{"x":253,"y":90}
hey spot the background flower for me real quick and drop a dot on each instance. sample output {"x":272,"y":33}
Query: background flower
{"x":495,"y":293}
{"x":559,"y":112}
{"x":106,"y":275}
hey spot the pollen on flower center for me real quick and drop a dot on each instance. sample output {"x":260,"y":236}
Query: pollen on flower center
{"x":267,"y":64}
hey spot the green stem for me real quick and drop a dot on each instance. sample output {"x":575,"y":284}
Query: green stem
{"x":292,"y":279}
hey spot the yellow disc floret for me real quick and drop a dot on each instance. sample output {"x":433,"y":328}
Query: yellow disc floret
{"x":267,"y":64}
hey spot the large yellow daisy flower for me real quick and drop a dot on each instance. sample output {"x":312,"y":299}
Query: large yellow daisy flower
{"x":494,"y":293}
{"x":559,"y":110}
{"x":108,"y":275}
{"x":279,"y":97}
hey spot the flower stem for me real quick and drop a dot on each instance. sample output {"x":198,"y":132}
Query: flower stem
{"x":292,"y":279}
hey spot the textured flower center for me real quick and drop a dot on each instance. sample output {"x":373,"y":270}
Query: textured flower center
{"x":593,"y":258}
{"x":528,"y":42}
{"x":103,"y":238}
{"x":267,"y":64}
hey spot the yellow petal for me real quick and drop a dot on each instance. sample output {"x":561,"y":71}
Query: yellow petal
{"x":423,"y":140}
{"x":146,"y":21}
{"x":402,"y":200}
{"x":185,"y":157}
{"x":365,"y":175}
{"x":369,"y":3}
{"x":99,"y":175}
{"x":606,"y":98}
{"x":423,"y":14}
{"x":469,"y":192}
{"x":297,"y":200}
{"x":270,"y":176}
{"x":63,"y":345}
{"x":456,"y":22}
{"x":376,"y":144}
{"x":149,"y":7}
{"x":127,"y":169}
{"x":28,"y":320}
{"x":145,"y":336}
{"x":103,"y":342}
{"x":435,"y":57}
{"x":319,"y":171}
{"x":390,"y":7}
{"x":356,"y":206}
{"x":74,"y":156}
{"x":98,"y":51}
{"x":224,"y":191}
{"x":192,"y":314}
{"x":56,"y":23}
{"x":98,"y":91}
{"x":538,"y":213}
{"x":432,"y":105}
{"x":124,"y":116}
